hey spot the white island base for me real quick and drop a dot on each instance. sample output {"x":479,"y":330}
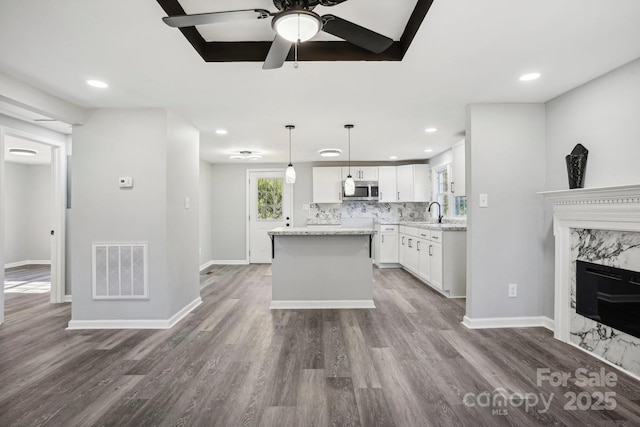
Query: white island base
{"x":321,"y":269}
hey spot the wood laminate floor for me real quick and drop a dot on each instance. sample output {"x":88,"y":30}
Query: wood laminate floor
{"x":32,"y":278}
{"x":233,"y":362}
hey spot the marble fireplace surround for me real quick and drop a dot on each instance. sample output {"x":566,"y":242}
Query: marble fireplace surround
{"x":609,"y":208}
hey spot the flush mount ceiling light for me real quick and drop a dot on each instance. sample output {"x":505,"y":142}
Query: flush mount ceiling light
{"x":393,"y":157}
{"x":290,"y":173}
{"x":221,"y":132}
{"x":22,"y":151}
{"x":297,"y":25}
{"x":428,"y":150}
{"x":431,"y":130}
{"x":330,"y":152}
{"x":530,"y":76}
{"x":97,"y":83}
{"x":246,"y":155}
{"x":349,"y":185}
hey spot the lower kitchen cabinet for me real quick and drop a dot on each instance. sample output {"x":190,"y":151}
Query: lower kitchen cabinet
{"x":438,"y":258}
{"x":386,"y":245}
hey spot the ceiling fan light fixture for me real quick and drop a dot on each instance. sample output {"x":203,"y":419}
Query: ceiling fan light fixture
{"x":297,"y":25}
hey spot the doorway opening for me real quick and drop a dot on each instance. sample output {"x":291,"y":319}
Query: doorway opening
{"x":42,"y":226}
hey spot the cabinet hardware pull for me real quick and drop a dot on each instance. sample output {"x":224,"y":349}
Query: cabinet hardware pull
{"x":423,"y":235}
{"x":410,"y":243}
{"x":383,"y":238}
{"x":430,"y":250}
{"x":418,"y":245}
{"x":402,"y":240}
{"x":398,"y":196}
{"x":452,"y":187}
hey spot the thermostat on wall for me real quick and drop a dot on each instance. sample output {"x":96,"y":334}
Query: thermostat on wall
{"x":125,"y":182}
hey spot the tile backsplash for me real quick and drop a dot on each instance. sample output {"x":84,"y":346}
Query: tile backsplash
{"x":332,"y":213}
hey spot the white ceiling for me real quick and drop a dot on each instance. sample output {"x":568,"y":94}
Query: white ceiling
{"x":467,"y":51}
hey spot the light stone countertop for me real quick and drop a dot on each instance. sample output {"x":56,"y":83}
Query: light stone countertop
{"x":446,"y":226}
{"x":320,"y":231}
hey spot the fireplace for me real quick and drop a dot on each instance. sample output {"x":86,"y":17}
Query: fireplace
{"x":609,"y":295}
{"x":599,"y":226}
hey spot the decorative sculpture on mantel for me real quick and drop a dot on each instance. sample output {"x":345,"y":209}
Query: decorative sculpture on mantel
{"x":577,"y":165}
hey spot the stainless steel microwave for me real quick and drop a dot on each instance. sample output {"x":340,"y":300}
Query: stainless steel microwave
{"x":365,"y":191}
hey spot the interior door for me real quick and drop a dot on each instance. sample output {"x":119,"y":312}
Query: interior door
{"x":270,"y":201}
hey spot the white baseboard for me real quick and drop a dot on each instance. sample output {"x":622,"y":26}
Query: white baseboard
{"x":508,"y":322}
{"x":206,"y":265}
{"x":631,"y":374}
{"x":229,"y":262}
{"x":67,"y":298}
{"x":27,"y":262}
{"x":136,"y":323}
{"x":320,"y":304}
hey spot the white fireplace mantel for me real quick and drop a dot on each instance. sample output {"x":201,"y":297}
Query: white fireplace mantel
{"x":609,"y":208}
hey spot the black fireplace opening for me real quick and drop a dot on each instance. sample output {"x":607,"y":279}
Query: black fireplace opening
{"x":609,"y":295}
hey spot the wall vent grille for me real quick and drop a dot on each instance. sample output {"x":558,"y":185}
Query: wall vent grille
{"x":120,"y":271}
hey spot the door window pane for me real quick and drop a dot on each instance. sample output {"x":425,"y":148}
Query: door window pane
{"x":269,"y":199}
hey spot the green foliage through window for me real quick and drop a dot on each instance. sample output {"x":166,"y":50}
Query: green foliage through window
{"x":269,"y":198}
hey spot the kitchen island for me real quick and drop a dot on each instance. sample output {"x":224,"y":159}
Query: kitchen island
{"x":327,"y":267}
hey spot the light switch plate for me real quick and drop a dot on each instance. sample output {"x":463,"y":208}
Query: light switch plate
{"x":483,"y":200}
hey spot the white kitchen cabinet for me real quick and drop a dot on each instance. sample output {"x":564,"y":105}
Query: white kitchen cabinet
{"x":327,"y":185}
{"x":387,"y":184}
{"x":386,"y":253}
{"x":438,"y":258}
{"x":413,"y":183}
{"x":458,"y":187}
{"x":361,"y":173}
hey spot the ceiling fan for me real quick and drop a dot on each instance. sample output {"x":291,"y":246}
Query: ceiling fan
{"x":294,"y":22}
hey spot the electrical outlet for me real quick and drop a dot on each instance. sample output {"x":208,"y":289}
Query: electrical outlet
{"x":513,"y":290}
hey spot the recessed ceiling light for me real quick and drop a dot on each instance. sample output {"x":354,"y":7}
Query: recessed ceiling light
{"x":428,"y":150}
{"x":221,"y":131}
{"x":22,"y":152}
{"x":330,"y":152}
{"x":97,"y":83}
{"x":431,"y":130}
{"x":393,"y":157}
{"x":530,"y":76}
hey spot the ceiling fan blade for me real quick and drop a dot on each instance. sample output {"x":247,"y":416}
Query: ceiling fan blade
{"x":355,"y":34}
{"x":331,"y":2}
{"x":180,"y":21}
{"x":277,"y":53}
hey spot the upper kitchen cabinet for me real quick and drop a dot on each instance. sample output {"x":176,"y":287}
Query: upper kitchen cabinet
{"x":361,"y":173}
{"x":413,"y":183}
{"x":327,"y":184}
{"x":458,"y":187}
{"x":387,"y":184}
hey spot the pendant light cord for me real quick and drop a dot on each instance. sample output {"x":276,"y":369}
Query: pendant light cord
{"x":290,"y":164}
{"x":349,"y":131}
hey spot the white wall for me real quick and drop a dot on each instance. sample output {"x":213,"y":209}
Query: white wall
{"x":160,"y":152}
{"x":206,"y":212}
{"x":16,"y":224}
{"x":603,"y":115}
{"x":505,"y":148}
{"x":39,"y":212}
{"x":183,"y":208}
{"x":27,"y":213}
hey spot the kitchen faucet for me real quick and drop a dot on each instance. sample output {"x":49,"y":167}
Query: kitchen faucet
{"x":439,"y":211}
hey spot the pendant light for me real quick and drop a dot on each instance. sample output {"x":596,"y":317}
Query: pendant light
{"x":290,"y":173}
{"x":349,"y":185}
